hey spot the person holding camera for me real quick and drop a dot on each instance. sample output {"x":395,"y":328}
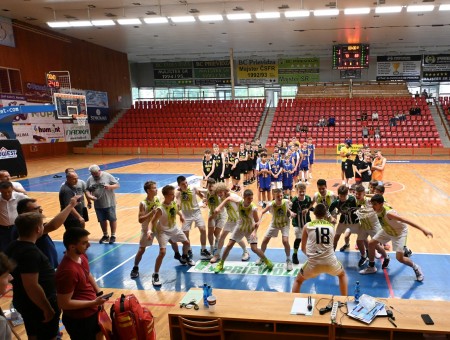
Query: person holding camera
{"x":72,"y":187}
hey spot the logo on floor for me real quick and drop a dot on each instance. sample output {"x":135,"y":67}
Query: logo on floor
{"x":245,"y":268}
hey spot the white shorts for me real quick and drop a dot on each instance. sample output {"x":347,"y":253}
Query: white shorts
{"x":310,"y":270}
{"x":273,"y":232}
{"x":218,"y":222}
{"x":398,"y":242}
{"x":341,"y":227}
{"x":276,"y":185}
{"x":230,"y":226}
{"x":298,"y":232}
{"x":238,"y":235}
{"x":196,"y":218}
{"x":174,"y":235}
{"x":144,"y":241}
{"x":364,"y":233}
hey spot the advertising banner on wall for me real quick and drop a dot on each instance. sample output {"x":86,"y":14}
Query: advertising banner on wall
{"x":436,"y":67}
{"x":212,"y":72}
{"x":41,"y":127}
{"x":173,"y":73}
{"x":298,"y":70}
{"x":257,"y":71}
{"x":405,"y":67}
{"x":97,"y":106}
{"x":6,"y":32}
{"x":37,"y":93}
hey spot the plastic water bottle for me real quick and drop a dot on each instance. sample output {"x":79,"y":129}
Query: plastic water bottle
{"x":205,"y":295}
{"x":357,"y":292}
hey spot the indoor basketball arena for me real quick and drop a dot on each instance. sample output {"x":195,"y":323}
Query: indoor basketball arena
{"x":244,"y":168}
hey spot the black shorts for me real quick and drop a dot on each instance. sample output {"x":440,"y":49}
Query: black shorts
{"x":236,"y":173}
{"x":227,"y":172}
{"x":82,"y":329}
{"x":242,"y":167}
{"x":216,"y":176}
{"x":249,"y":165}
{"x":33,"y":316}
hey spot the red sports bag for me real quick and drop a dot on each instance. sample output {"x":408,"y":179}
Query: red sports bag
{"x":130,"y":320}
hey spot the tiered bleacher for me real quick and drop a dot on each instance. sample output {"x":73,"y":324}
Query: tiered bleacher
{"x":194,"y":123}
{"x":415,"y":131}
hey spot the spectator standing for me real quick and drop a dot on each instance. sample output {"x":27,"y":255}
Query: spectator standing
{"x":77,"y":291}
{"x":34,"y":291}
{"x":6,"y":266}
{"x":72,"y":187}
{"x":378,"y":166}
{"x":100,"y":188}
{"x":8,"y":212}
{"x":6,"y":177}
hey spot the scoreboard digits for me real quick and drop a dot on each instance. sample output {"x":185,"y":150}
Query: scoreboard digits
{"x":350,"y":56}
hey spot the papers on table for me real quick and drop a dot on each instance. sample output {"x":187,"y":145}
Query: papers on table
{"x":300,"y":306}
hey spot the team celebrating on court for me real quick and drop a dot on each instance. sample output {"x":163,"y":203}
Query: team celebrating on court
{"x":359,"y":208}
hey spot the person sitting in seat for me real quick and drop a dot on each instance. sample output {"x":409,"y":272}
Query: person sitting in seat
{"x":332,"y":121}
{"x":374,"y":115}
{"x":365,"y":132}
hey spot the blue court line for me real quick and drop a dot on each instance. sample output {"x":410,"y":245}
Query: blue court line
{"x":118,"y":262}
{"x":435,"y":187}
{"x":129,"y":183}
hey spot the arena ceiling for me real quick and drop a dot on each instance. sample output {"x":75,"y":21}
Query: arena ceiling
{"x":388,"y":34}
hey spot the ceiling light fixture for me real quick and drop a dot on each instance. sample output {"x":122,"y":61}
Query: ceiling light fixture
{"x":420,"y":8}
{"x":210,"y":17}
{"x":58,"y":24}
{"x":388,"y":9}
{"x":103,"y":23}
{"x":80,"y":23}
{"x":134,"y":21}
{"x":353,"y":11}
{"x":267,"y":15}
{"x":445,"y":7}
{"x":296,"y":14}
{"x":185,"y":18}
{"x":157,"y":20}
{"x":326,"y":12}
{"x":239,"y":16}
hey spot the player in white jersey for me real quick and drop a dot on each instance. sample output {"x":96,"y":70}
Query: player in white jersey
{"x":186,"y":197}
{"x":247,"y":227}
{"x":164,"y":224}
{"x":147,"y":209}
{"x":369,"y":226}
{"x":215,"y":223}
{"x":395,"y":229}
{"x":324,"y":196}
{"x":281,"y":214}
{"x":317,"y":244}
{"x":231,"y":207}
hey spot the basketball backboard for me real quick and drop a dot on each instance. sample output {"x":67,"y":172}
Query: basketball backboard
{"x":68,"y":105}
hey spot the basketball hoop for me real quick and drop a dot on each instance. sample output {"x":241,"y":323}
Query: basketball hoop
{"x":81,"y":119}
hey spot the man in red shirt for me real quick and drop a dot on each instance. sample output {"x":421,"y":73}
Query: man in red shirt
{"x":77,"y":291}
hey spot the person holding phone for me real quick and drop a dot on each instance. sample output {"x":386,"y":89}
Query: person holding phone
{"x":77,"y":292}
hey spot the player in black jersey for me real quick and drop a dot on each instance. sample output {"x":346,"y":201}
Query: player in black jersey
{"x":249,"y":165}
{"x":208,"y":165}
{"x":234,"y":170}
{"x":227,"y":166}
{"x":242,"y":165}
{"x":254,"y":161}
{"x":219,"y":169}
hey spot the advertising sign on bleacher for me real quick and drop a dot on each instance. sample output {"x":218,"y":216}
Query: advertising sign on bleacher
{"x":257,"y":71}
{"x":436,"y":67}
{"x":298,"y":70}
{"x":406,"y":67}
